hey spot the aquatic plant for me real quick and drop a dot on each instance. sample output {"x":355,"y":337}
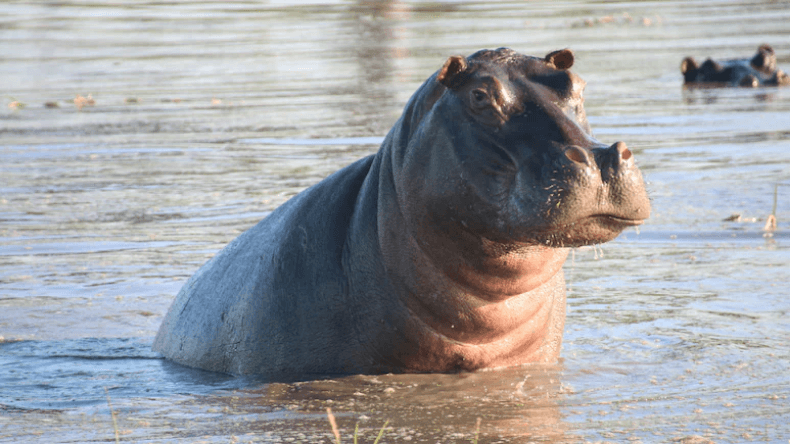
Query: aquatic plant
{"x":336,"y":431}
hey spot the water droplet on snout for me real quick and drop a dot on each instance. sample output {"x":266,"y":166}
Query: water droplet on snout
{"x":598,"y":251}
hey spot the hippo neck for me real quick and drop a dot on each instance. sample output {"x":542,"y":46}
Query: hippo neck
{"x":444,"y":272}
{"x":472,"y":303}
{"x":489,"y":270}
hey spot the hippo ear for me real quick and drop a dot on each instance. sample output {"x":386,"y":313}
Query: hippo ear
{"x":765,"y":48}
{"x":764,"y":60}
{"x":688,"y":64}
{"x":452,"y":67}
{"x":562,"y":59}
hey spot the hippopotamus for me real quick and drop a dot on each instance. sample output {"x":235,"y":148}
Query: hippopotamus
{"x":760,"y":70}
{"x":442,"y":252}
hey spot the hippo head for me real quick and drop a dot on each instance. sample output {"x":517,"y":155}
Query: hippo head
{"x":765,"y":59}
{"x":760,"y":70}
{"x":516,"y":161}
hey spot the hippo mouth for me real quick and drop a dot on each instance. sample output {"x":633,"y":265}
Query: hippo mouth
{"x":588,"y":230}
{"x":595,"y":229}
{"x":617,"y":220}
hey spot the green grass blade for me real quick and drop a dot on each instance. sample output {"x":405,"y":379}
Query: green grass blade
{"x":381,"y":432}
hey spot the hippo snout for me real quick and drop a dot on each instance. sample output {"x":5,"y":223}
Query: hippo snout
{"x":602,"y":193}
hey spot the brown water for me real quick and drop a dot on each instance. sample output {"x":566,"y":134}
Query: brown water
{"x":206,"y":116}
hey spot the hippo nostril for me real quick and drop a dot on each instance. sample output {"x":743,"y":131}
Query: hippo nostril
{"x":626,"y":154}
{"x":622,"y":150}
{"x":578,"y":155}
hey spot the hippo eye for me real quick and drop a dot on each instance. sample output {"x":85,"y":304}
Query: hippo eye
{"x":479,"y":95}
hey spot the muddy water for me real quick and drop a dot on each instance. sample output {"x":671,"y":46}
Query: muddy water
{"x":199,"y":118}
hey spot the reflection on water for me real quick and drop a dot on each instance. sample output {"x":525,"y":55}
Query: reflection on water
{"x":207,"y":115}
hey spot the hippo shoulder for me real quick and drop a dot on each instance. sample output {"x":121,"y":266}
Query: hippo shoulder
{"x":261,"y":283}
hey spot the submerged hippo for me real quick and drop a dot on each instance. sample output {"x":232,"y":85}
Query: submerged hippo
{"x":759,"y":70}
{"x":441,"y":252}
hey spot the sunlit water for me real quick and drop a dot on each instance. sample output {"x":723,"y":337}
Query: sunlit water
{"x":206,"y":116}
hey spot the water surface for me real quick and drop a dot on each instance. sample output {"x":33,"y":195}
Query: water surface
{"x":208,"y":115}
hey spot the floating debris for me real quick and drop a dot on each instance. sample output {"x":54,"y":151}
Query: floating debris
{"x":693,"y":439}
{"x":617,"y":20}
{"x":16,"y":105}
{"x":82,"y":102}
{"x":51,"y":105}
{"x":770,"y":223}
{"x":736,"y":217}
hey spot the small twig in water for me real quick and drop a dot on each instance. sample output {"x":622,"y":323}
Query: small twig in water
{"x":336,"y":431}
{"x":776,"y":193}
{"x":114,"y":420}
{"x":333,"y":423}
{"x":477,"y":430}
{"x":770,"y":221}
